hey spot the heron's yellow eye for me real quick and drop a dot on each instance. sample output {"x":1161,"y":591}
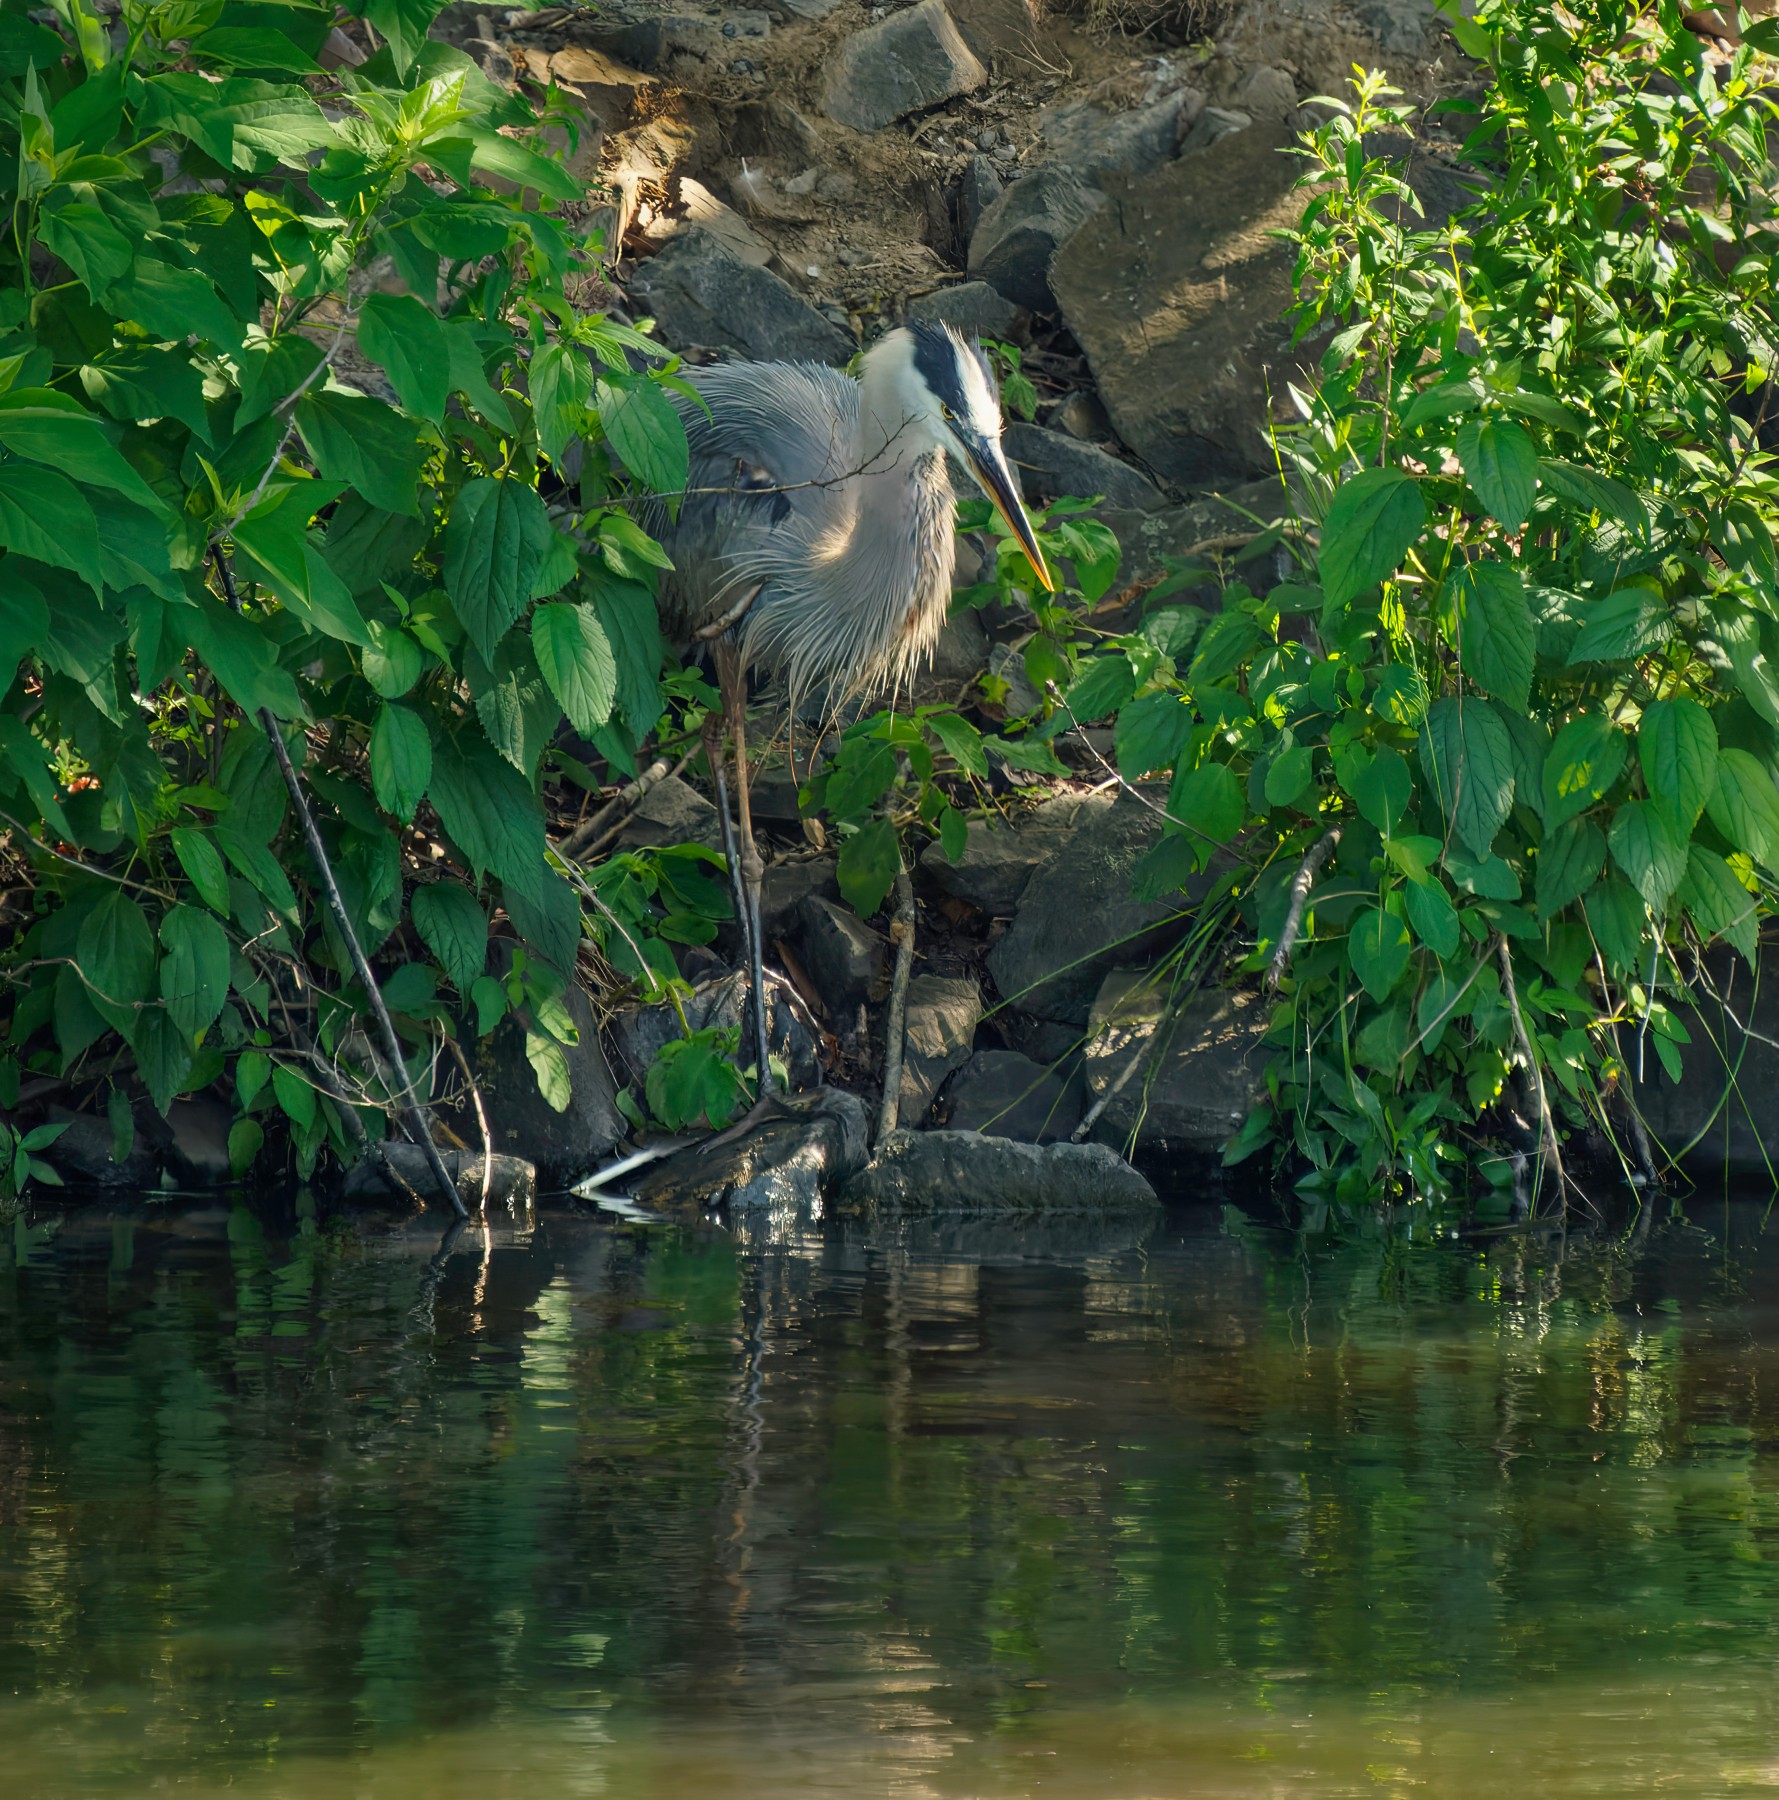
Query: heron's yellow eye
{"x":945,"y":412}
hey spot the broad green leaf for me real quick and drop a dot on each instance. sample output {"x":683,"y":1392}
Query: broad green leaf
{"x":452,"y":926}
{"x":577,"y":662}
{"x":498,"y":542}
{"x":175,"y":303}
{"x":1567,"y":865}
{"x":514,"y":703}
{"x":561,"y":380}
{"x":405,"y":24}
{"x":115,"y":951}
{"x":48,"y":427}
{"x":253,"y":1069}
{"x":45,"y":516}
{"x":141,"y":382}
{"x":487,"y":807}
{"x":1719,"y":905}
{"x":1378,"y":946}
{"x":1151,"y":733}
{"x":1501,"y":466}
{"x":23,"y":757}
{"x":1584,"y":761}
{"x":1209,"y":800}
{"x":1104,"y":684}
{"x":1621,"y":627}
{"x":962,"y":741}
{"x":1488,"y":877}
{"x":1381,"y":785}
{"x":247,"y":1138}
{"x":243,"y":124}
{"x":260,"y":869}
{"x":241,"y":655}
{"x":392,"y":661}
{"x":1744,"y":806}
{"x":194,"y":975}
{"x":1616,"y":916}
{"x":24,"y":621}
{"x":401,"y":760}
{"x":1373,"y":520}
{"x":646,"y":432}
{"x":545,"y":911}
{"x":253,"y":47}
{"x":203,"y":866}
{"x":1497,"y":635}
{"x":867,"y":868}
{"x":1468,"y":759}
{"x":406,"y":337}
{"x":954,"y":834}
{"x":1677,"y":746}
{"x":1431,"y":913}
{"x":163,"y":1057}
{"x":295,"y":1096}
{"x":490,"y":1001}
{"x":1288,"y":775}
{"x":1651,"y":849}
{"x":279,"y":551}
{"x":1442,"y":1001}
{"x":549,"y":1063}
{"x":365,"y":444}
{"x":1033,"y":754}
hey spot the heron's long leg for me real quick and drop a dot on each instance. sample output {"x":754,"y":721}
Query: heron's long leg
{"x":714,"y":754}
{"x":734,"y":690}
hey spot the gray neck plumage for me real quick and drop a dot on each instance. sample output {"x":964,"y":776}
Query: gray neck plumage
{"x":877,"y":581}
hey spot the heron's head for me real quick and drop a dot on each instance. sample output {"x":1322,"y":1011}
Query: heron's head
{"x":944,"y":389}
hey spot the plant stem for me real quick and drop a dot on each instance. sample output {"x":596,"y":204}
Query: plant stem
{"x":1301,"y":883}
{"x":896,"y":1026}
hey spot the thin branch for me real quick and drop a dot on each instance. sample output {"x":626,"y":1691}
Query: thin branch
{"x":1301,"y":883}
{"x":591,"y":834}
{"x":475,"y":1094}
{"x":896,"y":1025}
{"x":1547,"y":1125}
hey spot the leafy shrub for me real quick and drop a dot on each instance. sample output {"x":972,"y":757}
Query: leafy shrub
{"x":207,"y":531}
{"x":1513,"y":722}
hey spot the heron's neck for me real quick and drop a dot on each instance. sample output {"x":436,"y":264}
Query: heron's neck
{"x":890,"y":436}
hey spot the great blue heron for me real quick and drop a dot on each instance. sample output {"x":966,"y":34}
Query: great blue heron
{"x":816,"y":539}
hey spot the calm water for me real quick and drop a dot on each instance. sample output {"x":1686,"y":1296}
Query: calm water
{"x":287,"y":1507}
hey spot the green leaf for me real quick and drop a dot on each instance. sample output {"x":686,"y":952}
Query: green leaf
{"x":243,"y":124}
{"x":954,"y":834}
{"x":490,"y":1000}
{"x":175,"y":303}
{"x":1431,"y":913}
{"x":1373,"y":520}
{"x":452,"y":926}
{"x":241,"y":655}
{"x":1744,"y":806}
{"x":194,"y":972}
{"x":365,"y":444}
{"x":487,"y":807}
{"x":1616,"y":917}
{"x":1104,"y":684}
{"x":1289,"y":774}
{"x":514,"y":703}
{"x":1468,"y":759}
{"x":253,"y":1069}
{"x":576,"y":658}
{"x":549,"y":1064}
{"x":401,"y":760}
{"x":1378,"y":946}
{"x":1501,"y":465}
{"x":122,"y":1120}
{"x":392,"y":661}
{"x":163,"y":1057}
{"x":45,"y":516}
{"x":261,"y":870}
{"x":962,"y":741}
{"x":294,"y":1096}
{"x":1719,"y":905}
{"x":115,"y":951}
{"x":47,"y":427}
{"x":1488,"y":877}
{"x":1677,"y":746}
{"x":21,"y":755}
{"x":1381,"y":785}
{"x":546,"y":912}
{"x":1209,"y":800}
{"x":646,"y":432}
{"x":1651,"y":849}
{"x":246,"y":1139}
{"x":1151,"y":733}
{"x":1497,"y":635}
{"x":24,"y":621}
{"x":869,"y":861}
{"x":407,"y":338}
{"x":498,"y":542}
{"x":253,"y":47}
{"x":561,"y":380}
{"x":140,"y":382}
{"x":1621,"y":627}
{"x":1567,"y":865}
{"x":1584,"y":761}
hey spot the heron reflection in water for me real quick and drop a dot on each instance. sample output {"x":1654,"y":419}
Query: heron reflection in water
{"x":816,"y":542}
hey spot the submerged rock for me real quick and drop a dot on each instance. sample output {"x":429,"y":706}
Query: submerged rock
{"x":913,"y":60}
{"x":806,"y":1147}
{"x":399,"y":1171}
{"x":937,"y":1171}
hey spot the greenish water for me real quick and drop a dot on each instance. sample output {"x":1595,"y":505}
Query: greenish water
{"x":287,"y":1507}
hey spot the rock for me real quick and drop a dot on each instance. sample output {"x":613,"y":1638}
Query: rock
{"x":913,"y":60}
{"x":1003,"y":1094}
{"x":1145,"y":538}
{"x":81,"y":1155}
{"x":1021,"y":699}
{"x":636,"y":1033}
{"x":699,"y":207}
{"x":1077,"y":917}
{"x":1268,"y":94}
{"x":809,"y":1146}
{"x":845,"y":960}
{"x":1400,"y":26}
{"x":563,"y":1145}
{"x":1177,"y":293}
{"x":942,"y":1171}
{"x":1012,"y":246}
{"x":1052,"y":464}
{"x":703,"y":295}
{"x":398,"y":1171}
{"x":647,"y":36}
{"x":1093,"y":143}
{"x":942,"y":1016}
{"x":962,"y":651}
{"x":1214,"y":124}
{"x":197,"y":1139}
{"x":672,"y":812}
{"x":1193,"y":1094}
{"x":803,"y":9}
{"x":999,"y":860}
{"x":1082,"y":416}
{"x":978,"y":188}
{"x":784,"y":888}
{"x":972,"y":307}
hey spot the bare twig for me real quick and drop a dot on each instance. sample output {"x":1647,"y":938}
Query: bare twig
{"x":475,"y":1095}
{"x":1301,"y":883}
{"x":404,"y":1098}
{"x":591,"y":835}
{"x":896,"y":1026}
{"x":1547,"y":1125}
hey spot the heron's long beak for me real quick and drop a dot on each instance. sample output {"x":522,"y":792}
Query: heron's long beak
{"x":988,"y":464}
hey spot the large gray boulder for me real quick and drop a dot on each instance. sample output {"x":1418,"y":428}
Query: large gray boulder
{"x":1095,"y":143}
{"x":941,"y":1028}
{"x":914,"y":60}
{"x":1177,"y":294}
{"x":1192,"y":1091}
{"x":1020,"y":233}
{"x":846,"y":961}
{"x":998,"y":860}
{"x":972,"y":307}
{"x":1052,"y":464}
{"x":941,"y":1171}
{"x":1077,"y":917}
{"x":806,"y":1147}
{"x":705,"y":296}
{"x":1004,"y":1094}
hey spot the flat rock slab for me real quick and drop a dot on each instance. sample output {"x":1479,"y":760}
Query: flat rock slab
{"x":1051,"y":464}
{"x":939,"y":1171}
{"x":941,"y":1028}
{"x":913,"y":60}
{"x":702,"y":294}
